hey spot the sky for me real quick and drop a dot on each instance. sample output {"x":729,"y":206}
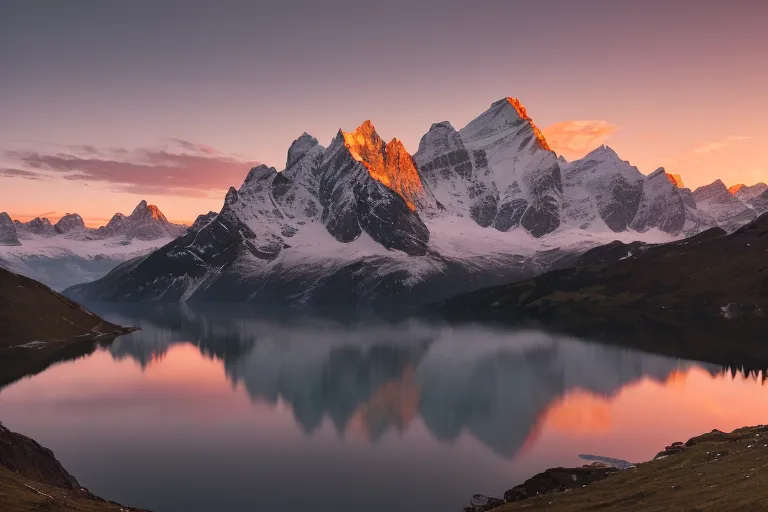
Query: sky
{"x":104,"y":104}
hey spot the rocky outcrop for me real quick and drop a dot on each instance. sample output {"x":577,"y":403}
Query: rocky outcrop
{"x":26,"y":457}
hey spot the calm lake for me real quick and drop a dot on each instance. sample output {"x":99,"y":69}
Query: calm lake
{"x":220,"y":410}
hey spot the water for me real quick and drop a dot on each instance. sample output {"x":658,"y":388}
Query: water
{"x":222,"y":411}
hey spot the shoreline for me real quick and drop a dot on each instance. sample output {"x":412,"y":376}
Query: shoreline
{"x":715,"y":471}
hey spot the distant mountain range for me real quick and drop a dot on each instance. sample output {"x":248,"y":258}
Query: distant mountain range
{"x":68,"y":252}
{"x":363,"y":222}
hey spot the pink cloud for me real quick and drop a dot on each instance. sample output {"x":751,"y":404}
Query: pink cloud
{"x":574,"y":139}
{"x":189,"y":169}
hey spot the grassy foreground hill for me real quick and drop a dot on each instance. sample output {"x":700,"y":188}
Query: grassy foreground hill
{"x":715,"y":472}
{"x":31,"y":312}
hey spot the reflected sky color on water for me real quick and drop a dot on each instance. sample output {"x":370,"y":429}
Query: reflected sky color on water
{"x":219,"y":411}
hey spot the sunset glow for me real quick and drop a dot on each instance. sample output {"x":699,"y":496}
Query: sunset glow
{"x":95,"y":128}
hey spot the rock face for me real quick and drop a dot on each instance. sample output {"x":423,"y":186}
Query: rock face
{"x":558,"y":480}
{"x":8,"y":235}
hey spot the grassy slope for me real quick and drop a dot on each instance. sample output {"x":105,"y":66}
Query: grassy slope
{"x":20,"y":494}
{"x":694,"y":480}
{"x":30,"y":311}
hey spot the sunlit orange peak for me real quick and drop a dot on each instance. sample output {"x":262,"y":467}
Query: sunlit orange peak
{"x":155,"y":212}
{"x":676,"y":180}
{"x":736,"y":188}
{"x":524,"y":115}
{"x":389,"y":164}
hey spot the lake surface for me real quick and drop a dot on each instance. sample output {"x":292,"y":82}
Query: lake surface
{"x":218,"y":410}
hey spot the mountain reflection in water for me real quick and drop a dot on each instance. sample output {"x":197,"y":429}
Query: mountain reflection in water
{"x":300,"y":413}
{"x":494,"y":384}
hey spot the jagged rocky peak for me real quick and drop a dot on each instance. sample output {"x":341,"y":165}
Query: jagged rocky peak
{"x":601,"y":185}
{"x":728,"y":210}
{"x":747,"y":193}
{"x":389,"y":164}
{"x":257,"y":178}
{"x":439,"y":141}
{"x":518,"y":174}
{"x":734,"y":189}
{"x":499,"y":118}
{"x":38,"y":226}
{"x":661,"y":206}
{"x":715,"y":189}
{"x":299,"y":148}
{"x":68,"y":223}
{"x":145,"y":211}
{"x":8,"y":234}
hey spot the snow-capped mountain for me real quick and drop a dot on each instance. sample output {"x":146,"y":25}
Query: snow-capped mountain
{"x":601,"y":191}
{"x":146,"y":222}
{"x":362,"y":222}
{"x":729,"y":211}
{"x":68,"y":252}
{"x":8,"y":236}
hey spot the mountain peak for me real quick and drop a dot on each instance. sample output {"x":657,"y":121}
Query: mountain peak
{"x":602,"y":153}
{"x":735,"y":188}
{"x":69,"y":222}
{"x":676,"y":180}
{"x":389,"y":164}
{"x":8,"y":235}
{"x":143,"y":209}
{"x":520,"y":113}
{"x":299,"y":148}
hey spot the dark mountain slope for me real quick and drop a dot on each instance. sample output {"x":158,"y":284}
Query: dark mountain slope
{"x":30,"y":311}
{"x":712,"y":288}
{"x":32,"y":479}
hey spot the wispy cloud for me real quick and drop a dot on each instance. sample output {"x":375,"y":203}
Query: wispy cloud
{"x":19,"y":173}
{"x":708,"y":147}
{"x":576,"y":138}
{"x":186,"y":168}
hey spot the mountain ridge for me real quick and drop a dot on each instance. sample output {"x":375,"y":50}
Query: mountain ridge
{"x":485,"y":203}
